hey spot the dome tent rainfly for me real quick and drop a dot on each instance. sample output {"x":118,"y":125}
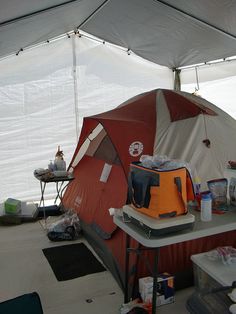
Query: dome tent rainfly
{"x":157,"y":122}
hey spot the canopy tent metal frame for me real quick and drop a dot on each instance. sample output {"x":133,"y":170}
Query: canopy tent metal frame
{"x":140,"y":27}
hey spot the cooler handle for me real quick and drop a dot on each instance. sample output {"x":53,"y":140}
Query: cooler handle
{"x":131,"y":192}
{"x":178,"y":184}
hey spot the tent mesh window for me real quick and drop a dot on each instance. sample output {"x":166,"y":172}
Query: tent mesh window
{"x":106,"y":151}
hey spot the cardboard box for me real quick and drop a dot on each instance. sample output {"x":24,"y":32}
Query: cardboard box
{"x":165,"y":289}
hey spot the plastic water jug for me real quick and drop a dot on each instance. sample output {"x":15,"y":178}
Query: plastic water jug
{"x":60,"y":164}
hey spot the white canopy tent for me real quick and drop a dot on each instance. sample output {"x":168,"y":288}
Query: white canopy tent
{"x":47,"y":86}
{"x":170,"y":33}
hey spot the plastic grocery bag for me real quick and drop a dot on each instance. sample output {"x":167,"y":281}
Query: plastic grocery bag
{"x":218,"y":189}
{"x":67,"y":227}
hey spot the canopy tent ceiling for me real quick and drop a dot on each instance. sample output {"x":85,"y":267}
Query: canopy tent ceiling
{"x":170,"y":33}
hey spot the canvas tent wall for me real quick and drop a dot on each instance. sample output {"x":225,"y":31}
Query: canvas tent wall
{"x":149,"y":123}
{"x":51,"y":85}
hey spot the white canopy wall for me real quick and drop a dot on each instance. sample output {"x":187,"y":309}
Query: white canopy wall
{"x":36,"y":115}
{"x":46,"y":91}
{"x":216,"y":82}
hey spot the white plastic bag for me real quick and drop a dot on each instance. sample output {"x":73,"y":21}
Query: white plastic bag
{"x":226,"y":254}
{"x":68,"y":219}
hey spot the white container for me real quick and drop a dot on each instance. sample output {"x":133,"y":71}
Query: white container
{"x":51,"y":166}
{"x":206,"y":207}
{"x":211,"y":273}
{"x":60,"y":164}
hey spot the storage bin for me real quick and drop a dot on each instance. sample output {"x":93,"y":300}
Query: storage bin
{"x":210,"y":274}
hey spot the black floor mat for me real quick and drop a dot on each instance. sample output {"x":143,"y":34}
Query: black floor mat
{"x":72,"y":261}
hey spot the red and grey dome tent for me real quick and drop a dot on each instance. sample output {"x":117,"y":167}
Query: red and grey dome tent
{"x":164,"y":122}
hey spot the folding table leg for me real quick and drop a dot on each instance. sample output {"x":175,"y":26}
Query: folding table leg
{"x":155,"y":274}
{"x":126,"y":298}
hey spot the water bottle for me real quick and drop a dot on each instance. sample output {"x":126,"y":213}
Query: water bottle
{"x":51,"y":166}
{"x":206,"y":207}
{"x":59,"y":161}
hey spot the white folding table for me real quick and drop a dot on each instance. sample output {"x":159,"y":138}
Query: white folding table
{"x":218,"y":224}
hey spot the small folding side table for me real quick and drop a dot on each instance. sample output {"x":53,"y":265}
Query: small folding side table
{"x":61,"y":184}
